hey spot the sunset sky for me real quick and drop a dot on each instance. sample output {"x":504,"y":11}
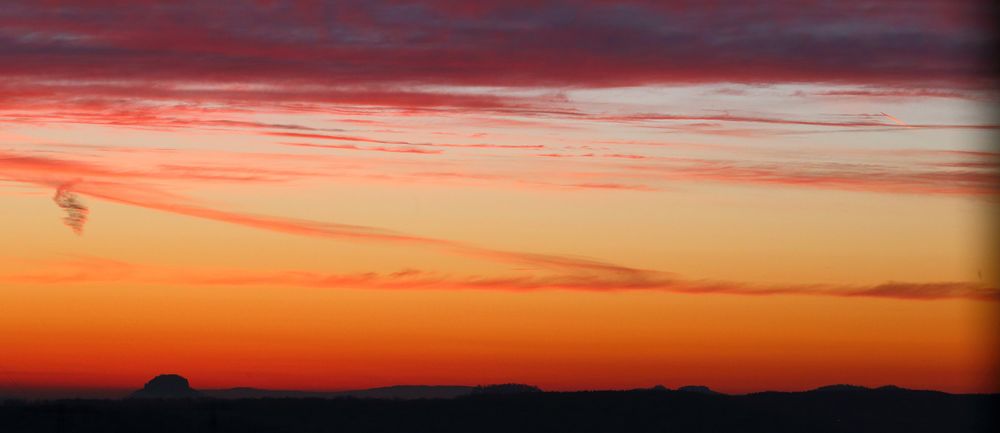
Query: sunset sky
{"x":586,"y":194}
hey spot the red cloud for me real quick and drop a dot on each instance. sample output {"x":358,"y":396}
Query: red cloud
{"x":386,"y":49}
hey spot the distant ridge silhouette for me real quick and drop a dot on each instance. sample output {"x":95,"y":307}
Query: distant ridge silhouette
{"x":176,"y":386}
{"x":506,"y":388}
{"x":509,"y":408}
{"x":841,"y":388}
{"x":698,"y":388}
{"x":399,"y":392}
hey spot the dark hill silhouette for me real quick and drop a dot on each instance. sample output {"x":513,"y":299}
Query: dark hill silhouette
{"x":402,"y":392}
{"x":858,"y":410}
{"x":841,"y":388}
{"x":407,"y":392}
{"x":506,"y":388}
{"x":166,"y":386}
{"x":176,"y":386}
{"x":697,"y":388}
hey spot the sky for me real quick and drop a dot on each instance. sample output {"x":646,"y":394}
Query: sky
{"x":584,"y":194}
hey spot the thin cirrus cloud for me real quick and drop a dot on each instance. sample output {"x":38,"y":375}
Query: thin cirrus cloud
{"x":135,"y":108}
{"x":976,"y":178}
{"x":861,"y":122}
{"x":969,"y":173}
{"x":962,"y":173}
{"x":84,"y":270}
{"x":350,"y":138}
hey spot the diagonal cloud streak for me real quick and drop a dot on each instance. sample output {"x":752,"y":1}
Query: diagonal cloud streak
{"x":47,"y":172}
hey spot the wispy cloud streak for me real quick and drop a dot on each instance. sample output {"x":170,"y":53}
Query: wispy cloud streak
{"x":84,"y":270}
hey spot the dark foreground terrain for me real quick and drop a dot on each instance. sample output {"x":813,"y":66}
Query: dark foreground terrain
{"x":838,"y":410}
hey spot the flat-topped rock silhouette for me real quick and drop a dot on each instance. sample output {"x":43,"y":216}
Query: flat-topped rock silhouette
{"x":167,"y":386}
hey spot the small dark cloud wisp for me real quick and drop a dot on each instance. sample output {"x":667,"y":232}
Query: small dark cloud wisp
{"x":76,"y":211}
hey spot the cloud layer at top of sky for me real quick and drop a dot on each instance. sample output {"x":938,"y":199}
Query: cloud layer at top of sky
{"x":523,"y":43}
